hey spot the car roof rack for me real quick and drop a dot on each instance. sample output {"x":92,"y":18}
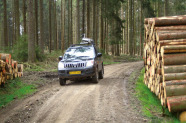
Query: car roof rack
{"x":87,"y":41}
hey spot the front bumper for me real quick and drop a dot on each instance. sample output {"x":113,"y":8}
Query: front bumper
{"x":85,"y":72}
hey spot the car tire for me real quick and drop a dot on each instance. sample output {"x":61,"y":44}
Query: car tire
{"x":95,"y":78}
{"x":101,"y":73}
{"x":62,"y":82}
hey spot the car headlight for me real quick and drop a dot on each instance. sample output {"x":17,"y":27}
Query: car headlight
{"x":90,"y":63}
{"x":60,"y":66}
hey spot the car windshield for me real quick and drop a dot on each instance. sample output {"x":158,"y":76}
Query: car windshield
{"x":79,"y":53}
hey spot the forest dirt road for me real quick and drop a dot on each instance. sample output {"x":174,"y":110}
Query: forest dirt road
{"x":80,"y":102}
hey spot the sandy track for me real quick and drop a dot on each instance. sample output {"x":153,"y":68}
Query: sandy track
{"x":79,"y":102}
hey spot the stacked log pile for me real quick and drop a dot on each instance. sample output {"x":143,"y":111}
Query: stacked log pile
{"x":165,"y":60}
{"x":9,"y":69}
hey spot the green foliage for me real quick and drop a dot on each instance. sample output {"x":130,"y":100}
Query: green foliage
{"x":20,"y":50}
{"x":151,"y":105}
{"x":14,"y":89}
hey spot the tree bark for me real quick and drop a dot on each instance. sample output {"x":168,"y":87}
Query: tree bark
{"x":31,"y":30}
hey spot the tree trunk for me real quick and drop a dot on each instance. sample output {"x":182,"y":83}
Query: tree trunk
{"x":31,"y":30}
{"x":24,"y":16}
{"x":17,"y":20}
{"x":62,"y":25}
{"x":50,"y":26}
{"x":83,"y":17}
{"x":101,"y":26}
{"x":77,"y":22}
{"x":36,"y":22}
{"x":55,"y":27}
{"x":166,"y":8}
{"x":41,"y":41}
{"x":176,"y":103}
{"x":94,"y":20}
{"x":88,"y":18}
{"x":5,"y":25}
{"x":130,"y":28}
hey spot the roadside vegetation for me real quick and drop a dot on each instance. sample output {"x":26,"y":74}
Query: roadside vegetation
{"x":151,"y":105}
{"x":15,"y":89}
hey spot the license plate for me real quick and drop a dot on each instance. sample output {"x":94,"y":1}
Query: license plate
{"x":74,"y":72}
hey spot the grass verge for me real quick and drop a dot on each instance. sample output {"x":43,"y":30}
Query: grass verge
{"x":14,"y":89}
{"x":151,"y":105}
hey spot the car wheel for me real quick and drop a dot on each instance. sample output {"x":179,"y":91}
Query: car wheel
{"x":95,"y":78}
{"x":101,"y":73}
{"x":62,"y":81}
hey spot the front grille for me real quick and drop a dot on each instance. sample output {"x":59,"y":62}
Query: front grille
{"x":74,"y":65}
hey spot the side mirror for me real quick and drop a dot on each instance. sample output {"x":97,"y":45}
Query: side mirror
{"x":99,"y":54}
{"x":60,"y":58}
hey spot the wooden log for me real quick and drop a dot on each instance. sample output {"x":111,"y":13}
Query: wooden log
{"x":175,"y":49}
{"x":174,"y":59}
{"x":172,"y":42}
{"x":174,"y":76}
{"x":175,"y":90}
{"x":169,"y":20}
{"x":175,"y":69}
{"x":175,"y":82}
{"x":170,"y":35}
{"x":168,"y":28}
{"x":176,"y":103}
